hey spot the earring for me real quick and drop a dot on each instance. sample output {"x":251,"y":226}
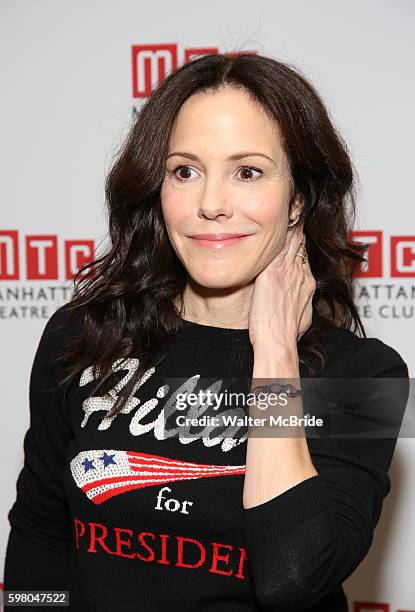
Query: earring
{"x":293,"y":222}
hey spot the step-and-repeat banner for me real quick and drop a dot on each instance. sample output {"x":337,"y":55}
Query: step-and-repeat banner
{"x":73,"y":77}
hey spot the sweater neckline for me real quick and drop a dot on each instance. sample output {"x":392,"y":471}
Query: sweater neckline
{"x":197,"y":333}
{"x":209,"y":335}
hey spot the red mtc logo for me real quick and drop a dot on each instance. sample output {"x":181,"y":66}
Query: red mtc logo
{"x":151,"y":64}
{"x":366,"y":606}
{"x":41,"y":256}
{"x":401,"y":255}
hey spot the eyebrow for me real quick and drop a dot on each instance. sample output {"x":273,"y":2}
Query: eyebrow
{"x":235,"y":156}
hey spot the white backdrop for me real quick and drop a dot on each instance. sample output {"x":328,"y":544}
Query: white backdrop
{"x":68,"y":97}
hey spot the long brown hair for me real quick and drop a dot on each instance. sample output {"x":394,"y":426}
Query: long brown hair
{"x":124,"y":298}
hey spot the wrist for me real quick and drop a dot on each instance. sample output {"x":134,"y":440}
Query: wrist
{"x":276,"y":368}
{"x":283,"y":339}
{"x":276,"y":352}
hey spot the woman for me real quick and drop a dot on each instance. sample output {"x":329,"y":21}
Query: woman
{"x":230,"y":204}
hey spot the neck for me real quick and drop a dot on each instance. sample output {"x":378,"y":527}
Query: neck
{"x":227,"y":308}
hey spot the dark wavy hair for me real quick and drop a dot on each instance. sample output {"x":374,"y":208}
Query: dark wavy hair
{"x":124,"y":298}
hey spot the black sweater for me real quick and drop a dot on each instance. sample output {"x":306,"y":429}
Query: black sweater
{"x":126,"y":520}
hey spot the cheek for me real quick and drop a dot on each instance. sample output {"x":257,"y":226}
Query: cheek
{"x":270,"y":215}
{"x":173,"y":208}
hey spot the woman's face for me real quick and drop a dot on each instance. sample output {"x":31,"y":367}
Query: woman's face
{"x":207,"y":190}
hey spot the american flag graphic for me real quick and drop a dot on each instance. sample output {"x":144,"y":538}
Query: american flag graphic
{"x":101,"y":474}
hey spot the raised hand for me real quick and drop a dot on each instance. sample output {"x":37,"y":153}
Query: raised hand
{"x":281,"y":303}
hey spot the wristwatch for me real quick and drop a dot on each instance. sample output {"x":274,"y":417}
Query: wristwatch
{"x":289,"y":389}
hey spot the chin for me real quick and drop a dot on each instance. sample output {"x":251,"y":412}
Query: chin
{"x":222,"y":279}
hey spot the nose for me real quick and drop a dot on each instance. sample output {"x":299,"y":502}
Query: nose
{"x":214,"y":201}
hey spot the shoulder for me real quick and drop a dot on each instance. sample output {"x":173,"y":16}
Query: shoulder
{"x":352,"y":355}
{"x":60,"y":329}
{"x":64,"y":323}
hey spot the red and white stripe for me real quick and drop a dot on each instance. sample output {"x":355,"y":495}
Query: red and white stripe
{"x":134,"y":470}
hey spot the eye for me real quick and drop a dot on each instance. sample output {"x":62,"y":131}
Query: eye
{"x":249,"y":169}
{"x":177,"y":169}
{"x":189,"y":169}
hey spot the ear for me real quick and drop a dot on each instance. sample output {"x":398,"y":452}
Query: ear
{"x":296,"y":207}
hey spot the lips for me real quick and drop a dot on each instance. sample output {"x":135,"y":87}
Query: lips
{"x":218,"y":241}
{"x":224,"y":236}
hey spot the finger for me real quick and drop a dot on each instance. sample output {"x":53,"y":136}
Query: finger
{"x":295,"y":245}
{"x":309,"y":277}
{"x":299,"y":237}
{"x":289,"y":238}
{"x":309,"y":285}
{"x":306,"y":317}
